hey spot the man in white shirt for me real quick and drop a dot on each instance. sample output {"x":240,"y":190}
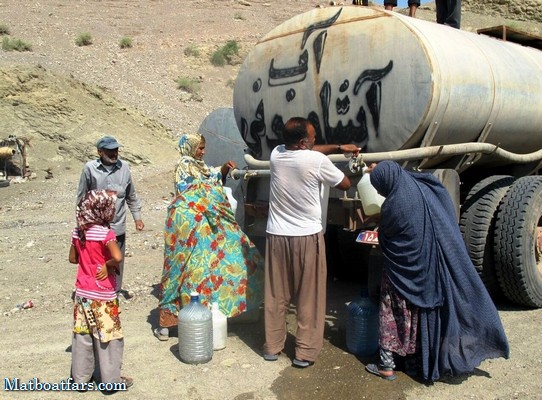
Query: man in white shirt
{"x":295,"y":258}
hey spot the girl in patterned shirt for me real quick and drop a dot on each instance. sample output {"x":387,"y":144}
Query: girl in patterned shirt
{"x":97,"y":329}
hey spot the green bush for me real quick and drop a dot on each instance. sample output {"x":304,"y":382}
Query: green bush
{"x":4,"y":30}
{"x":15,"y":44}
{"x":188,"y":84}
{"x":239,"y":16}
{"x":84,"y":39}
{"x":223,"y":55}
{"x":191,"y":51}
{"x":125,"y":43}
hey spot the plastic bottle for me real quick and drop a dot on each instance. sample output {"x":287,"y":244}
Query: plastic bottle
{"x":220,"y":327}
{"x":371,"y":201}
{"x":362,"y":326}
{"x":195,"y":332}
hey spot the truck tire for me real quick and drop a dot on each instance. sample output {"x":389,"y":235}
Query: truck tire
{"x":518,"y":233}
{"x":477,"y":224}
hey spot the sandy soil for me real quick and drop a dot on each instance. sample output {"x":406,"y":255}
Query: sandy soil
{"x":75,"y":95}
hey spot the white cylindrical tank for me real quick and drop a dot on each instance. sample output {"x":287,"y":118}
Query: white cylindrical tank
{"x":387,"y":82}
{"x":220,"y":327}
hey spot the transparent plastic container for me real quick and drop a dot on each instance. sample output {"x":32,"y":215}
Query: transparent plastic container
{"x":220,"y":327}
{"x":362,"y":326}
{"x":195,"y":332}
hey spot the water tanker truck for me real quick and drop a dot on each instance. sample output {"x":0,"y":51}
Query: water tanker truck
{"x":464,"y":106}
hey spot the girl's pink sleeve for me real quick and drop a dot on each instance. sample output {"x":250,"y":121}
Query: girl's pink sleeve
{"x":110,"y":236}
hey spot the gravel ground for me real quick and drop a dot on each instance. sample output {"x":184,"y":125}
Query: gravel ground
{"x":132,"y":93}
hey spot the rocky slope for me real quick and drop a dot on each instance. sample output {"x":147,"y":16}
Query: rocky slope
{"x":521,"y":10}
{"x":74,"y":94}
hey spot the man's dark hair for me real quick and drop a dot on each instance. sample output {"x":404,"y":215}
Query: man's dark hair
{"x":295,"y":129}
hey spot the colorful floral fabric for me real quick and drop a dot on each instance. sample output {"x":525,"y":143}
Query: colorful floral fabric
{"x":398,"y":321}
{"x":206,"y":251}
{"x":98,"y":318}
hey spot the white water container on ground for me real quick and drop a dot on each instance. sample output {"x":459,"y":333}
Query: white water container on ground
{"x":220,"y":327}
{"x":371,"y":201}
{"x":195,"y":332}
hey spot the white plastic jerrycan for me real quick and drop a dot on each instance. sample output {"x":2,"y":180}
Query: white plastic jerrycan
{"x":220,"y":327}
{"x":371,"y":201}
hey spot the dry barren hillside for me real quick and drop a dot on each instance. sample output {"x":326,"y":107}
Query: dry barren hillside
{"x":521,"y":10}
{"x":72,"y":94}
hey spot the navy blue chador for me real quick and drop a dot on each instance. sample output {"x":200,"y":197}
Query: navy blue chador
{"x":428,"y":263}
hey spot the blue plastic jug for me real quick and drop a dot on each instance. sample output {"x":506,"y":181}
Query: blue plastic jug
{"x":362,"y":326}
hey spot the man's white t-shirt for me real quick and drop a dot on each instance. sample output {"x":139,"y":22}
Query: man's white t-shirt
{"x":294,"y":201}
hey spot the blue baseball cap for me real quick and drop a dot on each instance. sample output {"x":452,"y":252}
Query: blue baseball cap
{"x":108,"y":143}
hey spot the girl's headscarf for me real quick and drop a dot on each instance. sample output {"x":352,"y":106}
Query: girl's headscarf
{"x":188,"y":165}
{"x":96,"y":208}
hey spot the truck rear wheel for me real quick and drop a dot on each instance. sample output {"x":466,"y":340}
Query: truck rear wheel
{"x":518,"y":242}
{"x":477,"y":224}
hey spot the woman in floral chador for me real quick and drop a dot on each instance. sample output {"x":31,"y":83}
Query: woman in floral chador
{"x":205,"y":250}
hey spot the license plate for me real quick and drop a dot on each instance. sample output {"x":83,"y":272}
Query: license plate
{"x":367,"y":237}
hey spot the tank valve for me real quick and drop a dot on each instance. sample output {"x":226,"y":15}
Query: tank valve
{"x":355,"y":164}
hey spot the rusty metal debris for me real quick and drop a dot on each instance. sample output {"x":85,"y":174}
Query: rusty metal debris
{"x":13,"y":159}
